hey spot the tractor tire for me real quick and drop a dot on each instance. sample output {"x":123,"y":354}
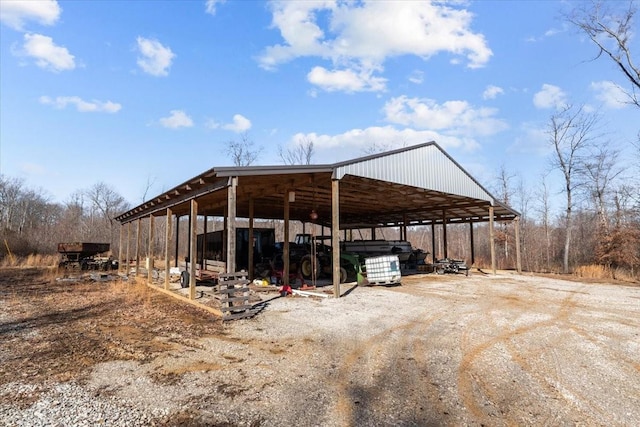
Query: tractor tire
{"x":343,"y":275}
{"x":184,"y":279}
{"x":306,"y":268}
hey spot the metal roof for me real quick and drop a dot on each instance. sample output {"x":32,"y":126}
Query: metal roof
{"x":420,"y":184}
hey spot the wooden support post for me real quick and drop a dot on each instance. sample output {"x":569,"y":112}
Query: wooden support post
{"x":167,"y":243}
{"x":373,"y":233}
{"x":444,"y":235}
{"x":120,"y":249}
{"x":138,"y":243}
{"x":223,"y":255}
{"x":150,"y":250}
{"x":285,"y":249}
{"x":177,"y":239}
{"x":335,"y":230}
{"x":403,"y":229}
{"x":492,"y":243}
{"x":128,"y":242}
{"x":204,"y":243}
{"x":189,"y":236}
{"x":433,"y":242}
{"x":473,"y":253}
{"x":251,"y":243}
{"x":518,"y":256}
{"x":231,"y":225}
{"x":193,"y":229}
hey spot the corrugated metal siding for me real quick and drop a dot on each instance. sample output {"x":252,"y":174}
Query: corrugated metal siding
{"x":424,"y":167}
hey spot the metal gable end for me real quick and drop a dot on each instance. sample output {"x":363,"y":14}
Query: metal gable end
{"x":423,"y":166}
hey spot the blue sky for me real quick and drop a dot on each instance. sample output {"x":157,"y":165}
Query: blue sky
{"x":134,"y":93}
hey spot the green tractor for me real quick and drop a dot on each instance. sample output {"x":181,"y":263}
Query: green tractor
{"x":350,"y":265}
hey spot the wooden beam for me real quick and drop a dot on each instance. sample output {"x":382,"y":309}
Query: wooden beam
{"x":128,"y":242}
{"x":518,"y":256}
{"x":444,"y":234}
{"x":231,"y":224}
{"x":433,"y":243}
{"x":285,"y":249}
{"x":138,"y":243}
{"x":335,"y":230}
{"x":193,"y":229}
{"x":120,"y":249}
{"x":187,"y":300}
{"x":204,"y":240}
{"x":177,"y":238}
{"x":492,"y":243}
{"x":167,"y":243}
{"x":473,"y":255}
{"x":251,"y":248}
{"x":150,"y":250}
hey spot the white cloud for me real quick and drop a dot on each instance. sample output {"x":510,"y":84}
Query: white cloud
{"x":532,"y":139}
{"x":491,"y":92}
{"x":417,"y":77}
{"x":154,"y":58}
{"x":454,"y":117}
{"x":46,"y":54}
{"x":210,"y":6}
{"x":356,"y":141}
{"x":361,"y":35}
{"x":177,"y":119}
{"x":550,"y":96}
{"x":15,"y":13}
{"x":82,"y":106}
{"x":345,"y":80}
{"x":240,"y":124}
{"x":610,"y":94}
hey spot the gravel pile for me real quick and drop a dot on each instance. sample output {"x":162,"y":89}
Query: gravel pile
{"x":70,"y":405}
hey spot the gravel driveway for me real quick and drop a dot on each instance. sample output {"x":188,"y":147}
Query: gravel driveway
{"x":438,"y":350}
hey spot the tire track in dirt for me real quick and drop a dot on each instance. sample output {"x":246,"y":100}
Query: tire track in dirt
{"x":550,"y":382}
{"x":396,"y":337}
{"x":471,"y":387}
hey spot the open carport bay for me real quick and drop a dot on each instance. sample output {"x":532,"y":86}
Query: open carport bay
{"x":438,"y":350}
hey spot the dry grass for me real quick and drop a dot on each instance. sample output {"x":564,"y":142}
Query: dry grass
{"x":33,"y":260}
{"x":601,"y":272}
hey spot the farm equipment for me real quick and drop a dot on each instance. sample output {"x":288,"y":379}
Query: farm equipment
{"x":450,"y":266}
{"x":312,"y":247}
{"x":86,"y":256}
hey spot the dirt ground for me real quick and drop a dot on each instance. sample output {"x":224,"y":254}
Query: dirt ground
{"x":438,"y":350}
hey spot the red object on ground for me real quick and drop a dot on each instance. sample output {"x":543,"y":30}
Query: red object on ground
{"x":285,"y":290}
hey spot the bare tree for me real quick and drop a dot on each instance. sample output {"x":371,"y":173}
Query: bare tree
{"x":599,"y":170}
{"x":105,"y":204}
{"x":300,"y":155}
{"x":243,"y":152}
{"x":571,"y":133}
{"x":376,"y":148}
{"x":545,"y":210}
{"x":147,"y":187}
{"x":611,"y":31}
{"x":505,"y":192}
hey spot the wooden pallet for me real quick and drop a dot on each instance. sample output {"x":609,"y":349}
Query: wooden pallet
{"x":233,"y":291}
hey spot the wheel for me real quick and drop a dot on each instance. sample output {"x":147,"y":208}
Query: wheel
{"x":306,"y":268}
{"x":184,"y":279}
{"x":343,"y":275}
